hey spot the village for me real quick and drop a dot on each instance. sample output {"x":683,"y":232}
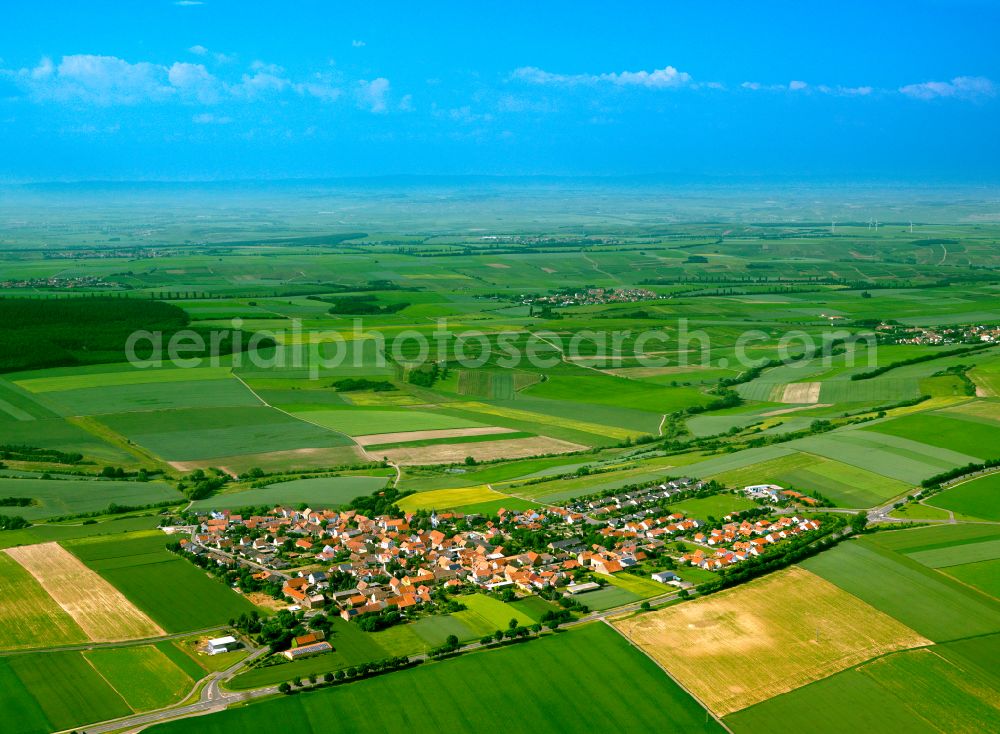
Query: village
{"x":367,"y":568}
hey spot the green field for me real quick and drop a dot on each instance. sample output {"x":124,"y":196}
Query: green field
{"x":930,"y":690}
{"x":485,"y":615}
{"x":29,"y":617}
{"x":366,"y":421}
{"x":928,"y":602}
{"x":986,"y":550}
{"x":437,"y":694}
{"x":57,"y":497}
{"x":68,"y":689}
{"x":174,"y":592}
{"x":978,"y":499}
{"x":325,"y":492}
{"x":965,"y":436}
{"x":22,"y":713}
{"x":152,"y":396}
{"x":716,"y":506}
{"x":205,"y":433}
{"x":145,"y":677}
{"x":982,"y":575}
{"x":845,"y":485}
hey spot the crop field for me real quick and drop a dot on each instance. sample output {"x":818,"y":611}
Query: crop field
{"x":175,"y":593}
{"x":68,"y":689}
{"x":968,"y":437}
{"x":528,"y":418}
{"x":845,"y":485}
{"x":485,"y":615}
{"x":361,"y":422}
{"x":436,"y":695}
{"x":929,"y":602}
{"x":446,"y":499}
{"x":327,"y":492}
{"x":609,"y":597}
{"x":892,"y":456}
{"x":746,"y":645}
{"x":642,"y":586}
{"x":56,"y":497}
{"x":29,"y":617}
{"x":383,"y":439}
{"x":914,"y":540}
{"x":933,"y":690}
{"x":100,"y":610}
{"x":145,"y":677}
{"x":105,"y":376}
{"x":502,"y":448}
{"x":716,"y":506}
{"x":193,"y":434}
{"x":151,"y":396}
{"x":986,"y":550}
{"x":978,"y":499}
{"x":982,"y":575}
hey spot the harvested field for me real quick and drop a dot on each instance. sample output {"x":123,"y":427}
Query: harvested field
{"x":801,"y":392}
{"x":516,"y":448}
{"x":28,"y":616}
{"x":783,"y":411}
{"x":773,"y":635}
{"x":100,"y":610}
{"x":399,"y":436}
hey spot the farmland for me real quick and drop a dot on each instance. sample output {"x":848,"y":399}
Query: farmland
{"x":28,"y":615}
{"x":176,"y":595}
{"x":874,"y":633}
{"x":560,"y":663}
{"x":766,"y":638}
{"x":100,"y":610}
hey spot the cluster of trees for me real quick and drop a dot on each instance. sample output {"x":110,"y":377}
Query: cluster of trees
{"x":13,"y":522}
{"x":16,"y":501}
{"x":353,"y":384}
{"x":424,"y":375}
{"x":375,"y":621}
{"x":198,"y":484}
{"x":16,"y":452}
{"x":382,"y":502}
{"x":362,"y":305}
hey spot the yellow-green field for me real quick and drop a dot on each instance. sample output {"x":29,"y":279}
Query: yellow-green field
{"x":739,"y":647}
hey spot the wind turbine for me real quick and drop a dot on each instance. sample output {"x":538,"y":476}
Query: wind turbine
{"x":911,"y":227}
{"x":833,"y":227}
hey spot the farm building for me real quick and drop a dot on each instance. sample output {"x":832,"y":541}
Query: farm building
{"x":223,"y":644}
{"x":305,"y":651}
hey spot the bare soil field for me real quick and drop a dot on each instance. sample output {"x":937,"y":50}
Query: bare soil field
{"x":101,"y":611}
{"x":515,"y":448}
{"x":399,"y":436}
{"x":801,"y":392}
{"x":775,"y":634}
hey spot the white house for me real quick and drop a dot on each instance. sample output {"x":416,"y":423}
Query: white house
{"x":222,"y":644}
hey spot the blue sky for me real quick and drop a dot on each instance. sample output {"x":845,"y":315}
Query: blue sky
{"x":227,"y":90}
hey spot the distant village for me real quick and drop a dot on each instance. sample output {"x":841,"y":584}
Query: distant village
{"x":593,"y":296}
{"x":957,"y":334}
{"x":354,"y":565}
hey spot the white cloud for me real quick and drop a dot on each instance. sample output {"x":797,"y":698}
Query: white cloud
{"x":188,"y":3}
{"x":665,"y":78}
{"x":101,"y":80}
{"x":961,"y":87}
{"x":358,"y":44}
{"x":266,"y":80}
{"x":406,"y":103}
{"x":199,"y":50}
{"x":195,"y":81}
{"x":372,"y":94}
{"x":795,"y":85}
